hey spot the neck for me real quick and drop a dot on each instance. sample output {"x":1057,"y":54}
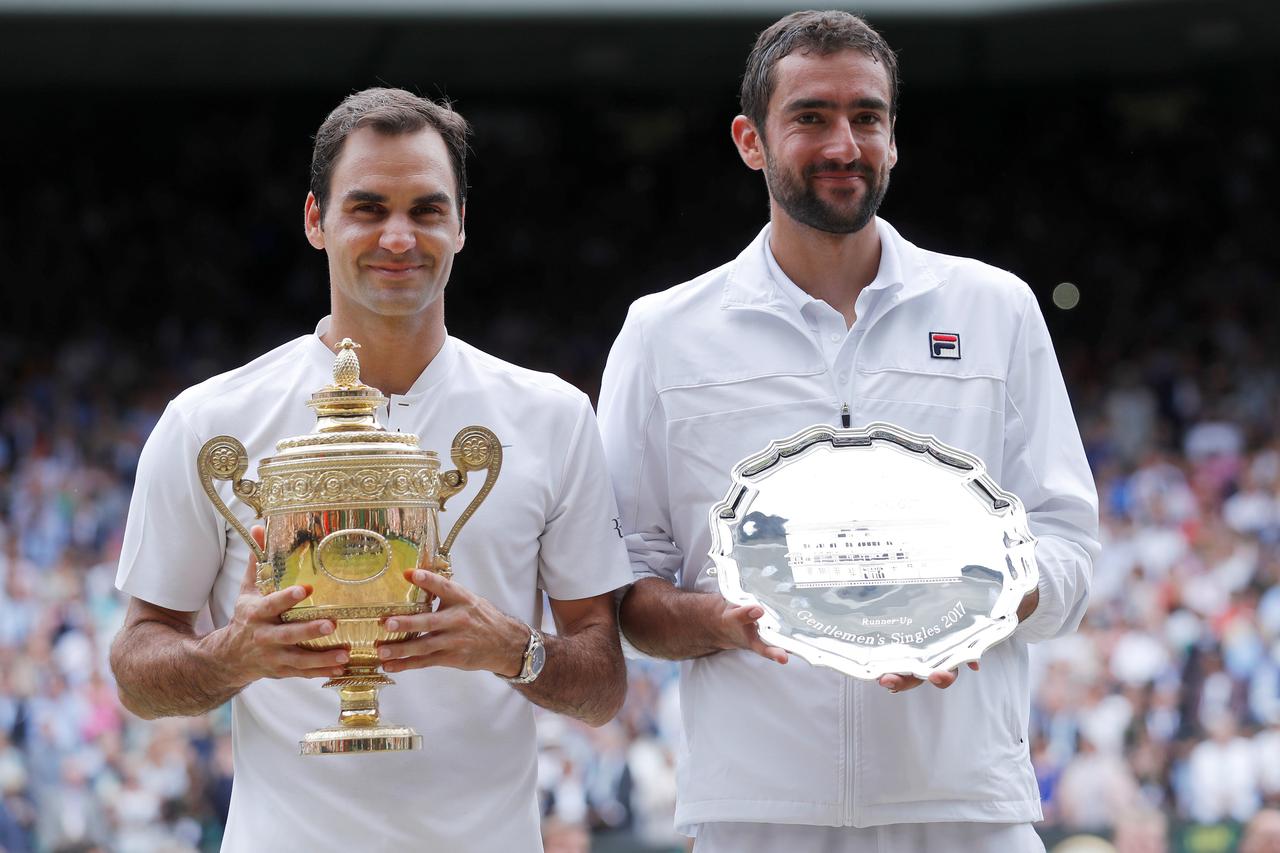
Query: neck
{"x":393,"y":350}
{"x":831,"y":267}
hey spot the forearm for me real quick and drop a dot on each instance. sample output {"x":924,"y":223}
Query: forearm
{"x":585,"y":676}
{"x":162,"y":670}
{"x":666,"y":622}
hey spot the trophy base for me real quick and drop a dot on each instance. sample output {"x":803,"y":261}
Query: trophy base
{"x":340,"y":740}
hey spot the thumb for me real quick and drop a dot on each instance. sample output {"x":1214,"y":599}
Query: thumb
{"x":743,"y":614}
{"x":250,"y":582}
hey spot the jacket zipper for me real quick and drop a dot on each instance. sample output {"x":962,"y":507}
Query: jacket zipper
{"x":844,"y":415}
{"x":851,"y":752}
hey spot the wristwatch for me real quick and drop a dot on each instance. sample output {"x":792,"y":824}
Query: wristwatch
{"x":535,"y":655}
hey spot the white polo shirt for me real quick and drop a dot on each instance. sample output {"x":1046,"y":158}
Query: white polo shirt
{"x":548,"y":524}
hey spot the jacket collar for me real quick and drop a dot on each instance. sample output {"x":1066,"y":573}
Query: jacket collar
{"x":749,"y":284}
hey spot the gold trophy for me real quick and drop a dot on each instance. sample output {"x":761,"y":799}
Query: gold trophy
{"x":350,"y":508}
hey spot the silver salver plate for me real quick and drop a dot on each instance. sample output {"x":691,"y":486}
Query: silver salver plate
{"x":873,"y":550}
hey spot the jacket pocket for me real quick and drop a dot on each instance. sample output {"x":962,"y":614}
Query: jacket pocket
{"x":959,"y":744}
{"x":964,"y":411}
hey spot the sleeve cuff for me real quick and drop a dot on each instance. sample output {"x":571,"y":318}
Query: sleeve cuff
{"x":1047,"y":618}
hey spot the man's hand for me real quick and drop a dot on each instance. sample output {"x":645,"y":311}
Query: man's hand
{"x":736,"y":628}
{"x":256,"y":644}
{"x":164,"y":669}
{"x":943,"y":680}
{"x":464,"y":632}
{"x":666,"y":622}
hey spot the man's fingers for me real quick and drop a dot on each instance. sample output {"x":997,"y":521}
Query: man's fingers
{"x":438,"y":658}
{"x":308,"y":672}
{"x":417,"y":647}
{"x":274,"y":604}
{"x":896,"y":683}
{"x":250,"y":582}
{"x":943,"y":680}
{"x":322,"y":672}
{"x":271,"y":606}
{"x":440,"y":620}
{"x":769,"y":652}
{"x":307,"y":659}
{"x":438,"y":585}
{"x":743,"y":614}
{"x":740,"y":625}
{"x":292,"y":633}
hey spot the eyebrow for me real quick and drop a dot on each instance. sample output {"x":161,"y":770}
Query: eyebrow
{"x":824,"y":104}
{"x":359,"y":196}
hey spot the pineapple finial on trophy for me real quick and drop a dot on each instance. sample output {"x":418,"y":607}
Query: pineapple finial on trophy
{"x":348,"y":404}
{"x":346,"y":367}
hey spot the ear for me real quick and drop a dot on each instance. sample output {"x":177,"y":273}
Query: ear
{"x":461,"y":239}
{"x":749,"y":142}
{"x":311,"y":222}
{"x":893,"y":143}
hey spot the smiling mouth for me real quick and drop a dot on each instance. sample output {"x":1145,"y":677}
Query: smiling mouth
{"x":839,"y":174}
{"x":396,"y":272}
{"x":831,"y":171}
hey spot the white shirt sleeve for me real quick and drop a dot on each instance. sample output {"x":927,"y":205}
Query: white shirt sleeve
{"x":1045,"y":465}
{"x":634,"y":431}
{"x":174,"y":539}
{"x":580,"y":551}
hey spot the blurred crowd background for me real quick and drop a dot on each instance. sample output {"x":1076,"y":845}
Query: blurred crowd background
{"x":153,"y":238}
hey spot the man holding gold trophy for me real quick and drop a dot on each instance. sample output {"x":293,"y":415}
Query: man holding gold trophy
{"x":364,"y":568}
{"x":842,"y":448}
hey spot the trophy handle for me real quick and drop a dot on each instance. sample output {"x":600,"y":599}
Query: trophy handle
{"x":224,"y":458}
{"x":474,"y":449}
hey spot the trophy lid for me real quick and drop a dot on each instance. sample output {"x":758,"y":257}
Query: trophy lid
{"x":346,"y":418}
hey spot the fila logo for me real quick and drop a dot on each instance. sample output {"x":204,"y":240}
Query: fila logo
{"x":944,"y":344}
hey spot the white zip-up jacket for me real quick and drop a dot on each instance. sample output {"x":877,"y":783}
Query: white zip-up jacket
{"x":711,"y":371}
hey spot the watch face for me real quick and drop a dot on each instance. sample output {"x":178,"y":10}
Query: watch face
{"x":538,"y":658}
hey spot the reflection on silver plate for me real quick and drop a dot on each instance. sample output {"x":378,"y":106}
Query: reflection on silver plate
{"x":873,"y":550}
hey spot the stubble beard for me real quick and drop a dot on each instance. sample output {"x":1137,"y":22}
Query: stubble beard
{"x":364,"y":292}
{"x":800,"y":200}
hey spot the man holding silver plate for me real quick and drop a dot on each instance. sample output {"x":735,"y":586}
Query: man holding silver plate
{"x":847,"y":449}
{"x":359,"y":541}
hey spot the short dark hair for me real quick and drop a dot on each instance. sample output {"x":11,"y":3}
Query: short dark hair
{"x":823,"y":33}
{"x":392,"y":112}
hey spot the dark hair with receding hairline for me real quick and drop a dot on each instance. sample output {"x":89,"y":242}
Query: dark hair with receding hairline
{"x":391,"y":112}
{"x":823,"y":33}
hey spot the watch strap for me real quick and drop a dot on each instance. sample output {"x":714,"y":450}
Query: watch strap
{"x":527,"y":673}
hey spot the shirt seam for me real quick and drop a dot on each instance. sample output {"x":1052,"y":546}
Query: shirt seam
{"x":713,"y":383}
{"x":644,"y":431}
{"x":220,"y":520}
{"x":918,"y":372}
{"x":569,"y":456}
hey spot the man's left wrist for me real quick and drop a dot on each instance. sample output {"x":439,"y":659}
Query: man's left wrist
{"x":516,"y":643}
{"x":532,"y":657}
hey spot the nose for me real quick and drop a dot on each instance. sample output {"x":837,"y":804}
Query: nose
{"x":841,"y":144}
{"x":397,"y":235}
